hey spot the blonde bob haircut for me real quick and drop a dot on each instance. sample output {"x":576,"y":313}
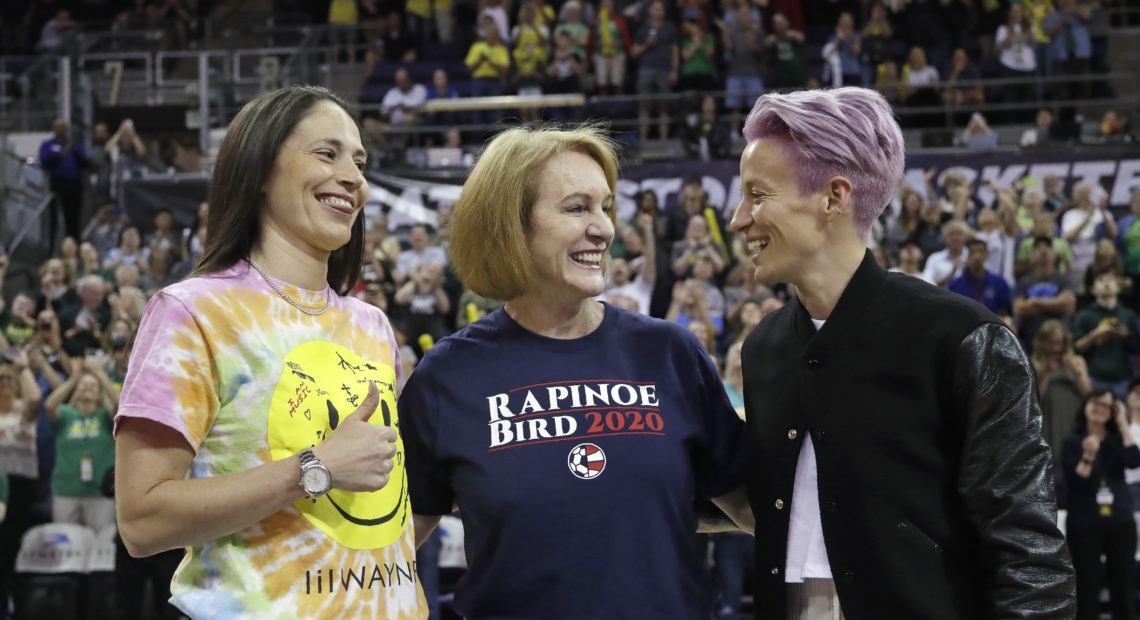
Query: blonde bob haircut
{"x":491,"y":218}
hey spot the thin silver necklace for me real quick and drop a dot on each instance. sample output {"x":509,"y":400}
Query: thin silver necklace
{"x":286,"y":297}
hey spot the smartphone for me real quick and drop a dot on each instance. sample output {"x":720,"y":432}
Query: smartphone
{"x":93,"y":353}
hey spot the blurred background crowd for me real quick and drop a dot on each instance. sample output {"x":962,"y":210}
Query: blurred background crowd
{"x":673,"y":80}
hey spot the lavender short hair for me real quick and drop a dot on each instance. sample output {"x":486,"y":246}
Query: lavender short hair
{"x":849,"y":132}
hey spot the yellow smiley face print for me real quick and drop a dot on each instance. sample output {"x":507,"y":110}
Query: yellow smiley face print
{"x":321,"y":385}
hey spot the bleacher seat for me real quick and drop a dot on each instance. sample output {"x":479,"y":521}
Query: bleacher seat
{"x":65,"y":571}
{"x":440,"y":52}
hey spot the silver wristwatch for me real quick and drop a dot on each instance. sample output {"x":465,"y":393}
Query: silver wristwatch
{"x":316,"y":480}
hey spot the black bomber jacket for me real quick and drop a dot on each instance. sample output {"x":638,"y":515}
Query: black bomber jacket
{"x":935,"y":487}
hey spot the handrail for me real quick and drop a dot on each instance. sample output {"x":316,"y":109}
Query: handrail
{"x":147,"y":59}
{"x":256,"y":52}
{"x":160,"y":78}
{"x":24,"y":188}
{"x":508,"y":102}
{"x":29,"y":222}
{"x":89,"y":39}
{"x":301,"y":49}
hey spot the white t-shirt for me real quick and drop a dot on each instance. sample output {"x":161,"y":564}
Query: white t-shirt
{"x":807,"y":553}
{"x":939,"y":265}
{"x":636,"y":290}
{"x":409,"y":260}
{"x":1084,"y":246}
{"x":1020,"y":55}
{"x":1001,"y":253}
{"x":1132,"y":476}
{"x":395,"y":100}
{"x":926,"y":76}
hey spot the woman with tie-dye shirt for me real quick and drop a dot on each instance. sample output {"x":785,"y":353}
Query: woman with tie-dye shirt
{"x":257,"y":426}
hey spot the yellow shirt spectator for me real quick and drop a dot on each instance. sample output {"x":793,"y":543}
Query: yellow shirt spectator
{"x":343,"y":12}
{"x":483,"y":58}
{"x":1037,"y":10}
{"x":421,"y":8}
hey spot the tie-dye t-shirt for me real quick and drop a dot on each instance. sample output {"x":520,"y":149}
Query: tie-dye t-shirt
{"x":247,"y":378}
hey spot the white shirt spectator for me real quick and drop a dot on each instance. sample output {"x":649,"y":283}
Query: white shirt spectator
{"x":397,"y":102}
{"x":1084,"y":245}
{"x":1132,"y":476}
{"x":939,"y":265}
{"x":926,"y":76}
{"x":1002,"y":249}
{"x":1020,"y":55}
{"x":409,"y":260}
{"x":637,"y":290}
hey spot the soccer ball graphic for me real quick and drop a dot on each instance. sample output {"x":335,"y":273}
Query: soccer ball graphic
{"x":586,"y":461}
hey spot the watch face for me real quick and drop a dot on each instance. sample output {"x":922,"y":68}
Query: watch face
{"x":316,"y":480}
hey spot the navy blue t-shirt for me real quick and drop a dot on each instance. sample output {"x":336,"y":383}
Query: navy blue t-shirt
{"x":574,"y":464}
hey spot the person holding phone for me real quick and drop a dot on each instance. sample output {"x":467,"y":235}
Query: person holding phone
{"x":1100,"y":520}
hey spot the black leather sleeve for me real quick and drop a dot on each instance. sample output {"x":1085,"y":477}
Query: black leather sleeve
{"x":1006,"y":480}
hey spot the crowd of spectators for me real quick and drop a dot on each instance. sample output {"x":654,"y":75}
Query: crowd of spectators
{"x":926,"y":56}
{"x":1053,"y":261}
{"x":923,"y":54}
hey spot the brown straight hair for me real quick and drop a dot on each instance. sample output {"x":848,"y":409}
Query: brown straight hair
{"x":245,"y":160}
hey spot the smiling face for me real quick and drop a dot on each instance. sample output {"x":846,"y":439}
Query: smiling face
{"x":316,"y":189}
{"x":88,"y":253}
{"x":570,"y":228}
{"x":783,"y":227}
{"x":1098,"y":410}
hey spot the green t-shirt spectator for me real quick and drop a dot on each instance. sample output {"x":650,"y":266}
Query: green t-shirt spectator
{"x":1110,"y":360}
{"x":700,"y":63}
{"x":84,"y":451}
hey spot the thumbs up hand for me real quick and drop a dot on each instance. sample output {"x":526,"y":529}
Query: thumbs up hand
{"x":359,"y":452}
